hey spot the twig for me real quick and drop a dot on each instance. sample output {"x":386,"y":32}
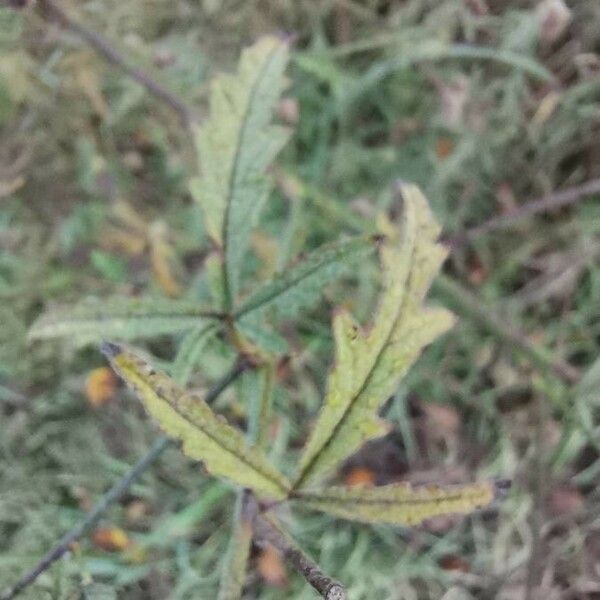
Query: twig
{"x":106,"y":48}
{"x":465,"y":302}
{"x":266,"y":531}
{"x":544,"y":204}
{"x":91,"y":519}
{"x":116,"y":491}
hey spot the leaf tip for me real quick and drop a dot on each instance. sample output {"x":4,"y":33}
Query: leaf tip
{"x":110,"y":349}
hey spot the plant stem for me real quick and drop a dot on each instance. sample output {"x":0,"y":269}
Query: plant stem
{"x":65,"y":543}
{"x":107,"y":50}
{"x":265,"y":530}
{"x":463,"y":301}
{"x":116,"y":491}
{"x":547,"y":203}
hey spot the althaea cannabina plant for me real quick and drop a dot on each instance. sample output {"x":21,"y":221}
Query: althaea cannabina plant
{"x":236,"y":144}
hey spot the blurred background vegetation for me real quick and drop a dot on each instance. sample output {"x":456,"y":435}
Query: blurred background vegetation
{"x":486,"y":104}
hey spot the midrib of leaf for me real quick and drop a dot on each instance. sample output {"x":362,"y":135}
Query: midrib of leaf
{"x":253,"y":306}
{"x":201,"y":314}
{"x":214,"y":438}
{"x":234,"y":175}
{"x":240,"y":457}
{"x":377,"y":501}
{"x":302,"y":477}
{"x":94,"y":314}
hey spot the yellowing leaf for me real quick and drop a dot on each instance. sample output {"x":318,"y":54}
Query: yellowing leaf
{"x":235,"y":145}
{"x":205,"y":436}
{"x":400,"y":503}
{"x":370,"y":364}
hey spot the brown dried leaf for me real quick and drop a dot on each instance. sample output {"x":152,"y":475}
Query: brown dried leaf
{"x":271,"y":567}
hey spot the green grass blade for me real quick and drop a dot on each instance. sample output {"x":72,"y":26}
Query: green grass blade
{"x":234,"y":567}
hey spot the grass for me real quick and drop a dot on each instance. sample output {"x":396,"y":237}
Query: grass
{"x":385,"y":91}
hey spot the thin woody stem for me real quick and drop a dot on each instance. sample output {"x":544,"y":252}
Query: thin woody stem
{"x":463,"y":301}
{"x":106,"y":48}
{"x":65,"y":543}
{"x":544,"y":204}
{"x":266,"y":531}
{"x":116,"y":491}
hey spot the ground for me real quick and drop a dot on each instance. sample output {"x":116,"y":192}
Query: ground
{"x":487,"y":105}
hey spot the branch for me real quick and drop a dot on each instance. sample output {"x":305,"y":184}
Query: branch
{"x":106,"y":48}
{"x":544,"y":204}
{"x":116,"y":491}
{"x":266,"y":531}
{"x":464,"y":302}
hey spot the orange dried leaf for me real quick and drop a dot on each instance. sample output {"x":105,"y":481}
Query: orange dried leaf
{"x":360,"y":476}
{"x":100,"y":386}
{"x":444,"y":147}
{"x":111,"y":539}
{"x":452,"y":562}
{"x":271,"y":567}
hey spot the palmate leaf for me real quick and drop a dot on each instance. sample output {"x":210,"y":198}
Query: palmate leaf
{"x":118,"y":317}
{"x":370,"y":364}
{"x":401,"y":504}
{"x":235,"y":145}
{"x":204,"y":435}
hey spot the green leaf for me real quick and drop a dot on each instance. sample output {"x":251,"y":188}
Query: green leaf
{"x":400,"y":503}
{"x":260,"y":333}
{"x":235,"y":145}
{"x":190,"y":352}
{"x":233,"y":574}
{"x":110,"y":266}
{"x":204,"y":435}
{"x":258,"y":397}
{"x":118,"y":317}
{"x":302,"y":284}
{"x":370,"y":364}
